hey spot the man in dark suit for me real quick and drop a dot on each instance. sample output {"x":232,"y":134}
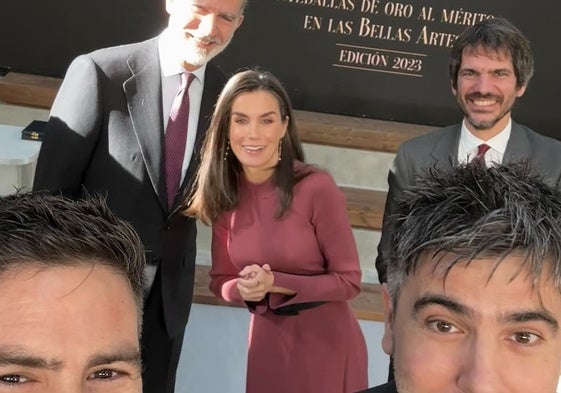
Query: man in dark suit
{"x":108,"y":133}
{"x":473,"y":297}
{"x":491,"y":64}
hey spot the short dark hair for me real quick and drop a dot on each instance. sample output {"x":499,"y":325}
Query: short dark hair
{"x":216,"y":185}
{"x":52,"y":230}
{"x":476,"y":212}
{"x":495,"y":35}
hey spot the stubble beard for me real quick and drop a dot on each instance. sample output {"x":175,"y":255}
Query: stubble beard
{"x":402,"y":386}
{"x":484,"y":125}
{"x":198,"y":57}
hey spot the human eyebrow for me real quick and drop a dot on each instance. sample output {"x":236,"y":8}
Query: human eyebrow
{"x":529,"y":316}
{"x":261,"y":115}
{"x":126,"y":355}
{"x":502,"y":71}
{"x":21,"y":358}
{"x":229,"y":16}
{"x":238,"y":116}
{"x":467,"y":71}
{"x":444,"y":301}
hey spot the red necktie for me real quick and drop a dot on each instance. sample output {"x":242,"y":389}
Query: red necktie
{"x":481,"y":150}
{"x":176,"y":136}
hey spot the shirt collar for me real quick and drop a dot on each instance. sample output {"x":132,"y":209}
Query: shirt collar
{"x":497,"y":143}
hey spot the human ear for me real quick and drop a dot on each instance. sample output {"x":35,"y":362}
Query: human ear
{"x":285,"y":124}
{"x":388,"y":337}
{"x":521,"y":91}
{"x":169,"y":6}
{"x":454,"y":90}
{"x":240,"y":20}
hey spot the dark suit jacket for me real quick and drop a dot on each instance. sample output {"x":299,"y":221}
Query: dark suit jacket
{"x":386,"y":388}
{"x":439,"y":149}
{"x":105,"y":134}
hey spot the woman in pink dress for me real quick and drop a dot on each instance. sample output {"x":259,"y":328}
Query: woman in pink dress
{"x":282,"y":245}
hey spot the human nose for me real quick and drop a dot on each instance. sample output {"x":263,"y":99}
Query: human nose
{"x":208,"y":25}
{"x":253,"y":130}
{"x":479,"y":371}
{"x":484,"y":84}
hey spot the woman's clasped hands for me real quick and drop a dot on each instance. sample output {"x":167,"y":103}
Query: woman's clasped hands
{"x":255,"y":282}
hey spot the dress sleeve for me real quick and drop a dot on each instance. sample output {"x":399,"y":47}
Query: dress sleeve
{"x":342,"y":277}
{"x":223,"y":274}
{"x":72,"y":131}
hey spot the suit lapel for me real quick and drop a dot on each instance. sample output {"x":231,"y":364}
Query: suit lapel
{"x":445,"y":152}
{"x":143,"y":92}
{"x":518,"y":145}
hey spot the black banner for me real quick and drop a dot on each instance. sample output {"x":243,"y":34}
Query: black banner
{"x":366,"y":58}
{"x":389,"y":59}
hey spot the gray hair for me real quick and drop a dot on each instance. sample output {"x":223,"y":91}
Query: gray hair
{"x":476,"y":212}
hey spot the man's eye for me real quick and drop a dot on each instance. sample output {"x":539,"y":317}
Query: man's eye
{"x":442,"y":326}
{"x":104,"y":374}
{"x":526,"y":338}
{"x":13,"y":379}
{"x":228,"y":18}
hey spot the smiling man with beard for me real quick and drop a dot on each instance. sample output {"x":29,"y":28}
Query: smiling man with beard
{"x":128,"y":122}
{"x":491,"y":64}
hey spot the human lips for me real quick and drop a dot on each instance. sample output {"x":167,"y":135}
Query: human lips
{"x":252,"y":148}
{"x":205,"y":42}
{"x":483,"y":101}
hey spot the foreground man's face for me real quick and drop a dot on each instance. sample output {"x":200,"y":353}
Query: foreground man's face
{"x":471,"y":333}
{"x":68,"y":330}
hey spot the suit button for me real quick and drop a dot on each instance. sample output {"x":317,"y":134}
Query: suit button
{"x":168,"y":227}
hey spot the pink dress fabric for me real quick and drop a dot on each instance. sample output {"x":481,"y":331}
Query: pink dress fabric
{"x":312,"y":251}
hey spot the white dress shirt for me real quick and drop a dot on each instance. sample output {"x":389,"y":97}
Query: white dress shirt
{"x":170,"y":64}
{"x":467,"y":148}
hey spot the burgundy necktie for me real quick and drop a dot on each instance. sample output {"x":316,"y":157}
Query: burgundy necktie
{"x":481,"y":150}
{"x":176,"y":136}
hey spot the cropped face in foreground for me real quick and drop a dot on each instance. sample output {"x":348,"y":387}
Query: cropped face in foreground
{"x":475,"y":331}
{"x":68,"y":330}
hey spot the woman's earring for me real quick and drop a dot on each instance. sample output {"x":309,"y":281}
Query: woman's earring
{"x":280,"y":149}
{"x":227,"y":152}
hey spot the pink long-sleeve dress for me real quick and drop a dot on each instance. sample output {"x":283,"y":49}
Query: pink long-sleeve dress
{"x":311,"y":341}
